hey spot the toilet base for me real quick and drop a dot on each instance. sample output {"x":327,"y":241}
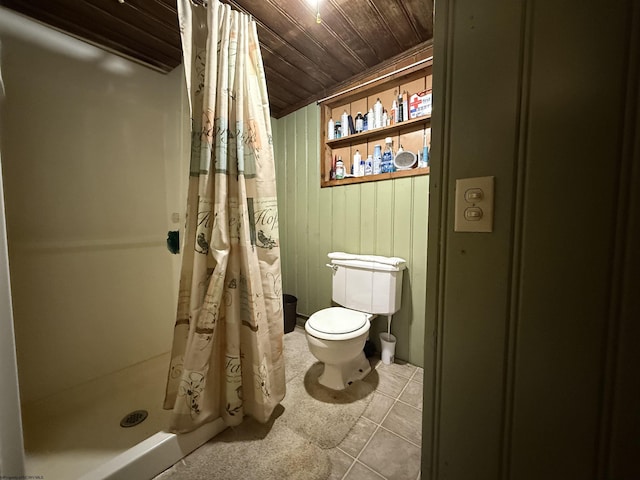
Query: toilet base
{"x":340,"y":376}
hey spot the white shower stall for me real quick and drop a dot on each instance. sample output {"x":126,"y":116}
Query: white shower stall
{"x":94,"y":165}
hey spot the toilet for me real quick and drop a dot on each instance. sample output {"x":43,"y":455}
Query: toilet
{"x":365,"y":286}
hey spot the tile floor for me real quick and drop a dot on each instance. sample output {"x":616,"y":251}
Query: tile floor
{"x":385,"y":442}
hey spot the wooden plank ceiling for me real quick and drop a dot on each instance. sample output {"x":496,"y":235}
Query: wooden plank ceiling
{"x":304,"y":60}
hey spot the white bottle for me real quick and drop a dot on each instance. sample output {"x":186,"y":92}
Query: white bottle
{"x":405,"y":106}
{"x":377,"y":160}
{"x":331,"y":129}
{"x":356,"y":163}
{"x":377,"y":114}
{"x":368,"y":166}
{"x":345,"y":124}
{"x":371,"y":121}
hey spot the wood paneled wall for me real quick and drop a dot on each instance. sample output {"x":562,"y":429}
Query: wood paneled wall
{"x":383,"y":218}
{"x":534,"y":371}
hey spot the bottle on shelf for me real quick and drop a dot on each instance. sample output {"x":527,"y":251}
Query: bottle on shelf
{"x":357,"y":158}
{"x":372,"y":120}
{"x":377,"y":160}
{"x":393,"y":113}
{"x":425,"y":152}
{"x":339,"y":169}
{"x":387,"y":156}
{"x":405,"y":106}
{"x":331,"y":129}
{"x":377,"y":114}
{"x":338,"y":130}
{"x":359,"y":123}
{"x":344,"y":122}
{"x":368,"y":166}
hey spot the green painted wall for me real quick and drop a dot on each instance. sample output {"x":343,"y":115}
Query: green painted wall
{"x":531,"y":351}
{"x":383,"y":218}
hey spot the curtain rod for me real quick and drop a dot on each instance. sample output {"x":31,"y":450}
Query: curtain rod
{"x":381,"y":77}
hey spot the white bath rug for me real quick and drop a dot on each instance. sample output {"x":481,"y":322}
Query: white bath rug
{"x":254,"y":451}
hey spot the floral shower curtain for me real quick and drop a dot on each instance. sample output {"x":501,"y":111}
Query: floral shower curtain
{"x":227,"y":357}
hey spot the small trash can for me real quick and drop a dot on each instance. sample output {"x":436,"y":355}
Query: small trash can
{"x":388,"y":347}
{"x":290,"y":304}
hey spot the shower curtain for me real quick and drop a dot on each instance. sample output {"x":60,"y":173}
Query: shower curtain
{"x":227,"y":358}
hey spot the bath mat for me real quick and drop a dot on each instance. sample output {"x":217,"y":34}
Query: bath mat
{"x":322,"y":415}
{"x":252,"y":450}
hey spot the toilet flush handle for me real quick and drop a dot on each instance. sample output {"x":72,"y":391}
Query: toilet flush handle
{"x":332,"y":266}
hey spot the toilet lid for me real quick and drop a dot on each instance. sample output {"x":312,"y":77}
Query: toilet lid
{"x":337,"y":321}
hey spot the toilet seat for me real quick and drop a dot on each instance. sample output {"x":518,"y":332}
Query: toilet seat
{"x":337,"y":323}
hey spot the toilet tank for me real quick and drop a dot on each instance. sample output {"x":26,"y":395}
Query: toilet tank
{"x":368,"y":283}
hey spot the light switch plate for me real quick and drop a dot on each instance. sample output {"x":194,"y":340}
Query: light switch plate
{"x":474,"y":204}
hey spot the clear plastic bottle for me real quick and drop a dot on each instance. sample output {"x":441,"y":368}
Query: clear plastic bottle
{"x":377,"y":160}
{"x":387,"y":156}
{"x":339,"y":169}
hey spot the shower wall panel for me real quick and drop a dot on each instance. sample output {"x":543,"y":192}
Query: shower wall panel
{"x":94,"y":166}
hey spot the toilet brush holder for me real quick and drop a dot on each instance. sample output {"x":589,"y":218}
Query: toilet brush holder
{"x":387,"y":348}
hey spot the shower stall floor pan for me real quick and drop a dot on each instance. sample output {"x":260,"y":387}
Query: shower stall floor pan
{"x":154,"y":455}
{"x":77,"y":432}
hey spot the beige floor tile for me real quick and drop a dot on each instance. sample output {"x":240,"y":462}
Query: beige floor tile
{"x":390,"y":383}
{"x":392,"y":456}
{"x":378,"y":408}
{"x":357,"y":437}
{"x":406,"y":421}
{"x":360,"y":472}
{"x":419,"y":375}
{"x":340,"y":463}
{"x":400,"y":368}
{"x":413,"y":394}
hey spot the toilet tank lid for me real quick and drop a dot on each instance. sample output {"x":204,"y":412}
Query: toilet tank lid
{"x":372,"y":262}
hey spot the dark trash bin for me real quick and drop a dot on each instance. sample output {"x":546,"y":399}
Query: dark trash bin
{"x":290,"y":304}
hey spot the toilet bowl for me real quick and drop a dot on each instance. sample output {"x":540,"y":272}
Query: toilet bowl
{"x":336,"y":336}
{"x":365,"y":286}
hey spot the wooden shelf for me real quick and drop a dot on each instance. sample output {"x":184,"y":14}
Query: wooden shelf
{"x":377,"y":132}
{"x":374,"y":178}
{"x":411,"y":135}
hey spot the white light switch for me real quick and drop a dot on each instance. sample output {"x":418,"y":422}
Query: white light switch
{"x":474,"y":204}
